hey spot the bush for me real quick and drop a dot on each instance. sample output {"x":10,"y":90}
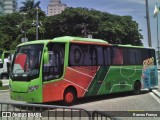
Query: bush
{"x":0,"y":83}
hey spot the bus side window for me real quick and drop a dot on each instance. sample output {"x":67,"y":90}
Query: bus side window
{"x":76,"y":55}
{"x":93,"y":55}
{"x":132,"y":57}
{"x":152,"y":55}
{"x":107,"y":55}
{"x":87,"y":56}
{"x":100,"y":55}
{"x":139,"y":57}
{"x":117,"y":56}
{"x":54,"y":69}
{"x":145,"y":54}
{"x":125,"y":56}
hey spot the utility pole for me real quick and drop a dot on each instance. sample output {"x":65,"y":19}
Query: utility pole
{"x":148,"y":25}
{"x":158,"y":38}
{"x":156,"y":11}
{"x":24,"y":39}
{"x":37,"y":25}
{"x":25,"y":36}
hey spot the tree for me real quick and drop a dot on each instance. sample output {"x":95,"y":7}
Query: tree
{"x":81,"y":21}
{"x":28,"y":5}
{"x":9,"y":30}
{"x":71,"y":22}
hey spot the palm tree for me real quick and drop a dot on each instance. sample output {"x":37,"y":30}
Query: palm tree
{"x":28,"y":5}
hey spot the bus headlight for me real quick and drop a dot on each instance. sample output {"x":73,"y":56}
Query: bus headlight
{"x":33,"y":88}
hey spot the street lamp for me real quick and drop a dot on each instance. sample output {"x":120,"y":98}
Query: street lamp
{"x":24,"y":31}
{"x":37,"y":24}
{"x":148,"y":25}
{"x":156,"y":10}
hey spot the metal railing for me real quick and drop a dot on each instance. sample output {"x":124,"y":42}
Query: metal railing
{"x":98,"y":115}
{"x":19,"y":111}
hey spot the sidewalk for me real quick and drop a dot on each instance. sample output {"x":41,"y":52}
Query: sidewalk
{"x":5,"y":82}
{"x":156,"y":91}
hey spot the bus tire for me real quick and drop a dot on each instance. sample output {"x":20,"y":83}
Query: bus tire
{"x":137,"y":88}
{"x":69,"y":97}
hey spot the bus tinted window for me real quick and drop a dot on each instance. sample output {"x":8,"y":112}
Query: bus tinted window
{"x":76,"y":55}
{"x":117,"y":56}
{"x":136,"y":56}
{"x":129,"y":56}
{"x":152,"y":54}
{"x":107,"y":55}
{"x":85,"y":55}
{"x":54,"y":69}
{"x":132,"y":56}
{"x":96,"y":55}
{"x":100,"y":55}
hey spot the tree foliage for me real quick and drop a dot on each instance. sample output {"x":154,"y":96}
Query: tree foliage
{"x":71,"y":22}
{"x":28,"y":5}
{"x":81,"y":21}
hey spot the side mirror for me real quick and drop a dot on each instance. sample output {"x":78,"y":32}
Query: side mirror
{"x":46,"y":56}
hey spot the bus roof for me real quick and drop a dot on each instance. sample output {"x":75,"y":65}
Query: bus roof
{"x":77,"y":39}
{"x":128,"y":46}
{"x":64,"y":39}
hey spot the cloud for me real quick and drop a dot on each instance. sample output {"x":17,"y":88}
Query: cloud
{"x":143,"y":2}
{"x":136,"y":1}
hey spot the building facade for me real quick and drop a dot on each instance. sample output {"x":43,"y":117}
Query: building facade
{"x":7,"y":6}
{"x":1,"y":7}
{"x":55,"y":7}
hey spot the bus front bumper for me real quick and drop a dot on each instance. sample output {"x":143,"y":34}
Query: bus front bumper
{"x":27,"y":97}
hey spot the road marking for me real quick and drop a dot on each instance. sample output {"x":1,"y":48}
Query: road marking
{"x":155,"y":97}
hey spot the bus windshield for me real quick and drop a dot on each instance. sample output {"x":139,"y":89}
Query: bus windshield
{"x":26,"y":62}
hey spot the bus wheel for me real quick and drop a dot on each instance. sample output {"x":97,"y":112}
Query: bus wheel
{"x":137,"y":88}
{"x":69,"y":97}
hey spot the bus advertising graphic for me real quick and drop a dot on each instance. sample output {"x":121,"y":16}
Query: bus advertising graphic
{"x":67,"y":68}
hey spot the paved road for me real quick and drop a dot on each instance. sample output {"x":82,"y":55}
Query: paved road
{"x":146,"y":101}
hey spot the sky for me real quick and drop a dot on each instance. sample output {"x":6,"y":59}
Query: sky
{"x":134,"y":8}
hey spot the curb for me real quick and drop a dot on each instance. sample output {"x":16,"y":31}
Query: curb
{"x":157,"y":93}
{"x":5,"y":84}
{"x":1,"y":91}
{"x":7,"y":90}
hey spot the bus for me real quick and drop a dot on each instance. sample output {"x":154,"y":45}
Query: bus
{"x":67,"y":68}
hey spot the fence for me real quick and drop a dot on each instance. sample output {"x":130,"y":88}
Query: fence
{"x":98,"y":115}
{"x":17,"y":111}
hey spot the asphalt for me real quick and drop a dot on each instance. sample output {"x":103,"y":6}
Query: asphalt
{"x":155,"y":90}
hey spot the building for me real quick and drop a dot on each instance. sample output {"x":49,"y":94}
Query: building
{"x":55,"y":7}
{"x":1,"y":7}
{"x":7,"y":6}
